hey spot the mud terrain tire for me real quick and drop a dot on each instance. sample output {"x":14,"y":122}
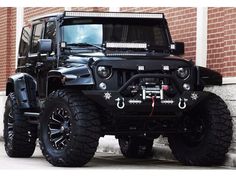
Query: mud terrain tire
{"x":19,"y":135}
{"x":214,"y":139}
{"x":69,"y":129}
{"x":136,"y":147}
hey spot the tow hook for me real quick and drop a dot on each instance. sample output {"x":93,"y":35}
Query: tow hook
{"x":182,"y":103}
{"x":120,"y":103}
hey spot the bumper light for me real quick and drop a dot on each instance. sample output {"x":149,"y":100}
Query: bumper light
{"x":186,"y":87}
{"x":102,"y":86}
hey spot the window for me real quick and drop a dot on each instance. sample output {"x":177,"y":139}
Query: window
{"x":83,"y":33}
{"x":24,"y":41}
{"x":50,"y":32}
{"x":37,"y":32}
{"x":152,"y":34}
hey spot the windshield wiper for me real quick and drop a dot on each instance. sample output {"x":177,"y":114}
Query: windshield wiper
{"x":85,"y":44}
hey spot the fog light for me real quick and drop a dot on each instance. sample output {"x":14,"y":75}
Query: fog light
{"x":186,"y":86}
{"x":102,"y":86}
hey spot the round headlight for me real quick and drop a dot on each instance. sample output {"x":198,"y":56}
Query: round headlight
{"x":104,"y":71}
{"x":183,"y":73}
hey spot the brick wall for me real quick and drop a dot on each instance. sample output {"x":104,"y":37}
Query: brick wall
{"x":222,"y":40}
{"x":3,"y":48}
{"x":95,"y":9}
{"x":7,"y":41}
{"x":30,"y":12}
{"x":182,"y":24}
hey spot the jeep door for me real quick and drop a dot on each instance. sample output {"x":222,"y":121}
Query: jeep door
{"x":46,"y":60}
{"x":39,"y":61}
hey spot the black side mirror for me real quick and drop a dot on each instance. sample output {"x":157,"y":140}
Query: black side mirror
{"x":45,"y":45}
{"x":177,"y":48}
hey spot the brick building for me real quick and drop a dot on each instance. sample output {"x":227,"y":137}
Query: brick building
{"x":209,"y":35}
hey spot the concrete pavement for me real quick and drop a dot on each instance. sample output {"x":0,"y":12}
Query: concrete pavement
{"x":101,"y":160}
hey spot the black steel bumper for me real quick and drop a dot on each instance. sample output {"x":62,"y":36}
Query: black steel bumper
{"x":148,"y":99}
{"x":114,"y":101}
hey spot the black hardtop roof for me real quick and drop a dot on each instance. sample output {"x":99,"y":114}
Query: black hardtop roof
{"x":46,"y":16}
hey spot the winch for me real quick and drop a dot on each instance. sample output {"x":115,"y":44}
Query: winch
{"x":149,"y":92}
{"x":157,"y":93}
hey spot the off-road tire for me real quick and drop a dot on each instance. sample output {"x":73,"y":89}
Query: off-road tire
{"x":216,"y":139}
{"x":19,"y":135}
{"x":84,"y":131}
{"x":136,"y":147}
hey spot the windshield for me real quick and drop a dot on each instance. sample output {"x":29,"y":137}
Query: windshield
{"x":152,"y":33}
{"x":86,"y":33}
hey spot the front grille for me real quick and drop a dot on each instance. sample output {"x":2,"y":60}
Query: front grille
{"x":124,"y":75}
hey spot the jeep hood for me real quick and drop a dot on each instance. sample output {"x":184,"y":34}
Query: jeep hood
{"x":86,"y":57}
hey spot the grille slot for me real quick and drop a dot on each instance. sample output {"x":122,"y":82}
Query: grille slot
{"x":123,"y":76}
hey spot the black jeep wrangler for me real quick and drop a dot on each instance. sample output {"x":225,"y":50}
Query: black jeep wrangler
{"x":83,"y":75}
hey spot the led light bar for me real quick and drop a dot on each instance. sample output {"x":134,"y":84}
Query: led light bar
{"x":126,"y":45}
{"x":112,"y":14}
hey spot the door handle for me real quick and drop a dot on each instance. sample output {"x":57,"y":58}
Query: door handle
{"x":27,"y":65}
{"x":39,"y":64}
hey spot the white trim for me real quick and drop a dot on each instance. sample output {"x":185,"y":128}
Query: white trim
{"x":201,"y":43}
{"x":2,"y":93}
{"x":229,"y":80}
{"x":19,"y":26}
{"x":68,"y":8}
{"x":114,"y":9}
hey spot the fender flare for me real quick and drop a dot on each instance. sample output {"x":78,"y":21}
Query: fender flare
{"x":208,"y":77}
{"x":25,"y":88}
{"x":73,"y":76}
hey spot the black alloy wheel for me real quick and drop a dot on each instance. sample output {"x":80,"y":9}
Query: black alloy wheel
{"x":59,"y":128}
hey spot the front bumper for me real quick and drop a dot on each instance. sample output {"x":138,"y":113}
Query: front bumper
{"x":148,"y":97}
{"x":117,"y":103}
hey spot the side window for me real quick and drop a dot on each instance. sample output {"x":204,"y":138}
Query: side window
{"x":50,"y":32}
{"x":24,"y":41}
{"x":37,"y":32}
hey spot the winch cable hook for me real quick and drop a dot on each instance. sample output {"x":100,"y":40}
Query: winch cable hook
{"x":153,"y":105}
